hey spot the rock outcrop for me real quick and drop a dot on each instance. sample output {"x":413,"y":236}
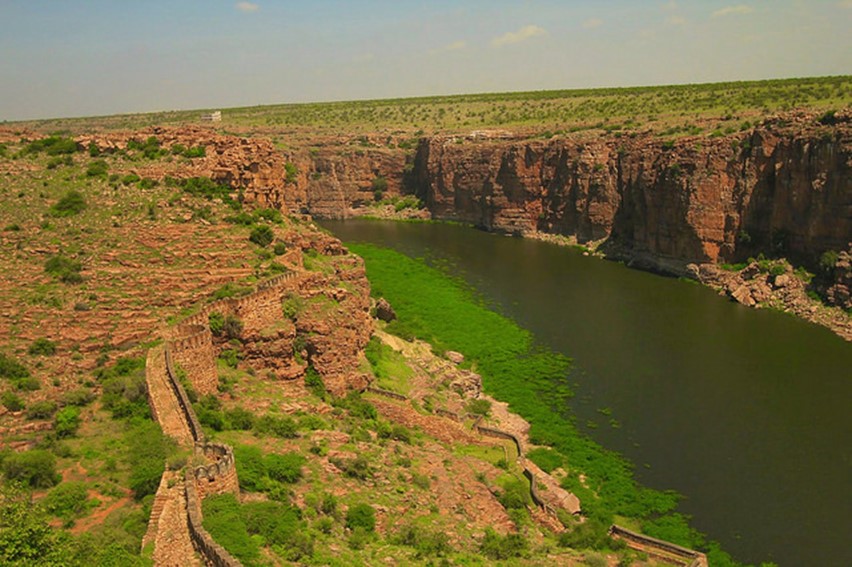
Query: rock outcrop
{"x":783,"y":186}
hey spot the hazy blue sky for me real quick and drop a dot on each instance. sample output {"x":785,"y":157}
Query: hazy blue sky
{"x":87,"y":57}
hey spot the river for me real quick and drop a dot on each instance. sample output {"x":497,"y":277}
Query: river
{"x":745,"y":412}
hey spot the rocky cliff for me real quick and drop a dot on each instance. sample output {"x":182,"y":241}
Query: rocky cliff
{"x":783,"y":186}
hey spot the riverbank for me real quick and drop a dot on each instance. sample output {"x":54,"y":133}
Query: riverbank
{"x":533,"y":380}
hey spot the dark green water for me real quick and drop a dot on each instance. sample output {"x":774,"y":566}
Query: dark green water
{"x":744,"y":412}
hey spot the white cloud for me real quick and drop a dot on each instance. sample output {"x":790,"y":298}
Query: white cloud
{"x":592,"y":23}
{"x":676,"y":20}
{"x":247,"y":7}
{"x":522,"y":34}
{"x":454,"y":46}
{"x":728,"y":10}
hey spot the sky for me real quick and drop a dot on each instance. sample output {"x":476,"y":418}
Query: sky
{"x":61,"y":58}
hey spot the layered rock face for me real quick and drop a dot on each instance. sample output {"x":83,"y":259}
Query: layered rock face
{"x":784,"y":186}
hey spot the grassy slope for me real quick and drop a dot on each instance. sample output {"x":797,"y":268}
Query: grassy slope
{"x":435,"y":308}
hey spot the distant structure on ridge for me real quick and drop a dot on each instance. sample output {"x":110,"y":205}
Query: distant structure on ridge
{"x":212,"y":117}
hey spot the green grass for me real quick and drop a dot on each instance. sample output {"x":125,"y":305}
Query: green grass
{"x":443,"y":311}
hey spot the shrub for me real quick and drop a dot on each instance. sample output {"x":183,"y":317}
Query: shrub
{"x":124,"y":389}
{"x":515,"y":495}
{"x":591,"y":534}
{"x":52,"y":145}
{"x":262,"y":236}
{"x":67,"y":421}
{"x":209,"y":189}
{"x":12,"y":401}
{"x":280,"y":248}
{"x":216,"y":321}
{"x":16,"y":373}
{"x":292,"y":306}
{"x":250,"y":468}
{"x":495,"y":546}
{"x":359,"y":467}
{"x":428,"y":543}
{"x":223,"y":520}
{"x":291,"y":171}
{"x":70,"y":204}
{"x":361,"y":516}
{"x":36,"y":468}
{"x":67,"y":500}
{"x":97,"y":168}
{"x":43,"y":409}
{"x":827,"y":261}
{"x":379,"y":186}
{"x":240,"y":418}
{"x":314,"y":382}
{"x":232,"y":327}
{"x":94,"y":150}
{"x":129,"y":179}
{"x":479,"y":407}
{"x":271,"y":215}
{"x":42,"y":347}
{"x":64,"y":269}
{"x":284,"y":468}
{"x":230,"y":356}
{"x":283,"y":427}
{"x":148,"y":449}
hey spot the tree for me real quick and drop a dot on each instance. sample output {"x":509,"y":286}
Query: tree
{"x":262,"y":236}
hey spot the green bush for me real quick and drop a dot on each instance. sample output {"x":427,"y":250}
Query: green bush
{"x":827,"y":261}
{"x":67,"y":421}
{"x":64,"y":269}
{"x":79,"y":397}
{"x":427,"y":542}
{"x":291,"y":171}
{"x":292,"y":306}
{"x":12,"y":401}
{"x":148,"y":449}
{"x":479,"y":407}
{"x":283,"y":427}
{"x":17,"y":373}
{"x":35,"y":468}
{"x":240,"y":419}
{"x":251,"y":469}
{"x":67,"y":500}
{"x":97,"y":168}
{"x":129,"y":179}
{"x":314,"y":382}
{"x":232,"y":327}
{"x":52,"y":145}
{"x":26,"y":538}
{"x":230,"y":356}
{"x":262,"y":236}
{"x":222,"y":518}
{"x":209,"y":189}
{"x":43,"y":409}
{"x":42,"y":347}
{"x":591,"y":534}
{"x":515,"y":495}
{"x":495,"y":546}
{"x":70,"y":204}
{"x":124,"y":389}
{"x":216,"y":321}
{"x":359,"y":467}
{"x":361,"y":516}
{"x":285,"y":468}
{"x":280,"y":248}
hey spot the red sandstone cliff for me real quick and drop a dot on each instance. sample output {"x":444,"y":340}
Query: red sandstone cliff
{"x":783,"y":186}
